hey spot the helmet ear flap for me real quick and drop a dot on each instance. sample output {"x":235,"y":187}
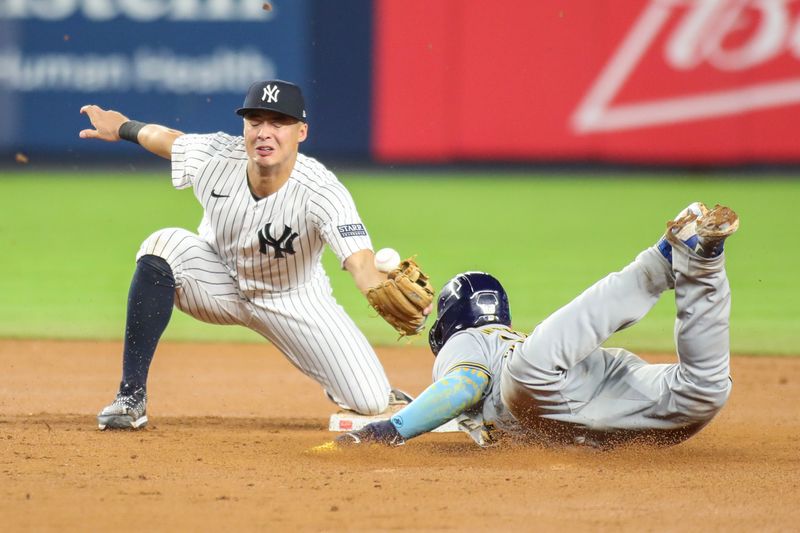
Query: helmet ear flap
{"x":435,"y":338}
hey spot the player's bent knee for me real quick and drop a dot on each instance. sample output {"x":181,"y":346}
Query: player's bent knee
{"x":372,"y":406}
{"x":715,"y":402}
{"x":705,"y":404}
{"x":156,"y":270}
{"x":164,"y":243}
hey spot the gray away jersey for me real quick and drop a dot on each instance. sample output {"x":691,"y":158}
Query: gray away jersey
{"x":486,"y":348}
{"x":273,"y":244}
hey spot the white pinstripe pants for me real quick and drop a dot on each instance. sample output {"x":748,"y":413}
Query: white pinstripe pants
{"x":306,"y":324}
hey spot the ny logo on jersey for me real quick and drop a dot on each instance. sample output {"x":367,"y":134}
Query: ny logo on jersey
{"x":282,"y":244}
{"x":270,"y":93}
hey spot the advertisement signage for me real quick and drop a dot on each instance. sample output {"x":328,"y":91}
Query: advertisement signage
{"x":183,"y":63}
{"x":660,"y":81}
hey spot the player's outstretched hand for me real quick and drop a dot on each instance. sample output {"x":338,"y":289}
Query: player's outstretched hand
{"x":106,"y":123}
{"x":382,"y":432}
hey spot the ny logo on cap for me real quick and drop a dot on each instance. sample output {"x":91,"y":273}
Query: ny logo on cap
{"x":270,"y":93}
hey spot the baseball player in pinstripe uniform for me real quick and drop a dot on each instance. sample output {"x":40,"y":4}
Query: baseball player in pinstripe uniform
{"x":268,"y":211}
{"x":559,"y":385}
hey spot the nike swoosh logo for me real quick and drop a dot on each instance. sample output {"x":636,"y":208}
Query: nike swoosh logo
{"x":215,"y":195}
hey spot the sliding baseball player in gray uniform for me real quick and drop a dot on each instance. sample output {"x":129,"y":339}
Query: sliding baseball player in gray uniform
{"x":558,"y":385}
{"x":268,"y":212}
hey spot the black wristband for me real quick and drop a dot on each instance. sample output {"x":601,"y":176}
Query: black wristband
{"x":130,"y":130}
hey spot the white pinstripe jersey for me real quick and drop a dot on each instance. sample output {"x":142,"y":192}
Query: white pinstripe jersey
{"x":274,"y":244}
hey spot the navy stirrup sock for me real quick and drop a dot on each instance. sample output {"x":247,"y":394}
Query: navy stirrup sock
{"x":150,"y":301}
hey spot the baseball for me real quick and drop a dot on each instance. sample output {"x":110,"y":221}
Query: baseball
{"x":387,"y":259}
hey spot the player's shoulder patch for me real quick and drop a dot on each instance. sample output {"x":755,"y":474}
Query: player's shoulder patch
{"x":352,"y":230}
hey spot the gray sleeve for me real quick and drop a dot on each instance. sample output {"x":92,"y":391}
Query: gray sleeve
{"x":462,"y":349}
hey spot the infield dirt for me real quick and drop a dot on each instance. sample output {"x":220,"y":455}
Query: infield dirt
{"x":231,"y":428}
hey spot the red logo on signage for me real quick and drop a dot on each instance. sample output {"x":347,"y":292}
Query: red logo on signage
{"x":345,"y":425}
{"x":685,"y":60}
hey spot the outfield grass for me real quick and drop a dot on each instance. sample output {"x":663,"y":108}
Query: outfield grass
{"x":69,"y":242}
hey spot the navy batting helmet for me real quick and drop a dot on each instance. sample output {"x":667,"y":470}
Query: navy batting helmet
{"x":468,"y":300}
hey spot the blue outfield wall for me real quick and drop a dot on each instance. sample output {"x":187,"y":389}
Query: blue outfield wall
{"x":182,"y":63}
{"x":341,"y":66}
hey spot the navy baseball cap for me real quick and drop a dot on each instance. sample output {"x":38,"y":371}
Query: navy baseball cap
{"x":275,"y":95}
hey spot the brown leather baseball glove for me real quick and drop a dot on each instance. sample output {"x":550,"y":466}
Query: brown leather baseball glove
{"x":401,"y":299}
